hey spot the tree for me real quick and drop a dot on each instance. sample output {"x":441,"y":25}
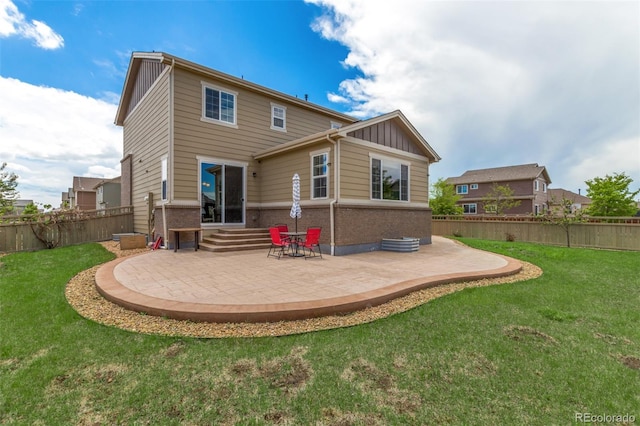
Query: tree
{"x":610,"y":196}
{"x":444,"y":198}
{"x":500,"y":199}
{"x":563,"y":217}
{"x":8,"y":193}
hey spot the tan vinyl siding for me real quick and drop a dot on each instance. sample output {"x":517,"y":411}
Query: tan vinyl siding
{"x":147,"y":75}
{"x":277,"y":173}
{"x":355,"y":179}
{"x":146,"y":138}
{"x":194,"y":137}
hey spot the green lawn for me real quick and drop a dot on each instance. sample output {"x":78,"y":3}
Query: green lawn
{"x":533,"y":352}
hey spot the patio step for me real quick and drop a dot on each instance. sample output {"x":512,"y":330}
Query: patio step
{"x":225,"y":240}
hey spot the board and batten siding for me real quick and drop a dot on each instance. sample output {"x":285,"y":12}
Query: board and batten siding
{"x":194,"y":137}
{"x":387,"y":133}
{"x":276,"y":177}
{"x":355,"y":172}
{"x":146,"y":138}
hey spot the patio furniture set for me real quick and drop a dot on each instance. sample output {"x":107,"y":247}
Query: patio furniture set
{"x":294,"y":244}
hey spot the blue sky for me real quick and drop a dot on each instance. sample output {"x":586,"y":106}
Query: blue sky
{"x":488,"y":84}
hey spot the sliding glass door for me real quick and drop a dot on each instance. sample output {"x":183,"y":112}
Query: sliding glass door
{"x":222,"y":190}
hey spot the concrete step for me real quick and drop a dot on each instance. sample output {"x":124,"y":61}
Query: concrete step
{"x":235,"y":239}
{"x":221,"y":249}
{"x":215,"y":240}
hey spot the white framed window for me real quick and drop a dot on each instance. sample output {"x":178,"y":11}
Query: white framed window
{"x":319,"y":175}
{"x":462,"y":189}
{"x":471,"y":208}
{"x":490,"y":208}
{"x":278,"y":117}
{"x":389,"y":179}
{"x":164,"y":174}
{"x":218,"y":105}
{"x":536,"y":185}
{"x":336,"y":125}
{"x":474,"y":186}
{"x":544,"y":187}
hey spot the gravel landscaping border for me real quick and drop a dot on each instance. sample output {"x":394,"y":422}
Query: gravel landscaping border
{"x":82,"y":295}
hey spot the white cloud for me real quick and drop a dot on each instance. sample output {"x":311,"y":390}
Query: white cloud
{"x":14,"y":23}
{"x":49,"y":135}
{"x":499,"y":83}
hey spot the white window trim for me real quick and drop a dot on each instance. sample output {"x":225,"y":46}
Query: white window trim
{"x":384,"y":158}
{"x":284,"y":117}
{"x":164,"y":178}
{"x":335,"y":125}
{"x":544,"y":187}
{"x":536,"y":186}
{"x":460,"y":192}
{"x":312,"y":155}
{"x":473,"y":186}
{"x":206,"y":119}
{"x":471,"y":204}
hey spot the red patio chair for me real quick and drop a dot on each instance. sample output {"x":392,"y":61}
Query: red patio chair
{"x":311,"y":242}
{"x":283,"y":228}
{"x":278,"y":245}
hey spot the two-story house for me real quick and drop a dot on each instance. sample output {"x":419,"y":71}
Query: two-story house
{"x":82,"y":196}
{"x":528,"y":182}
{"x":206,"y":149}
{"x":108,"y":193}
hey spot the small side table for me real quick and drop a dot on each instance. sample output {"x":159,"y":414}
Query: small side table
{"x":176,"y":235}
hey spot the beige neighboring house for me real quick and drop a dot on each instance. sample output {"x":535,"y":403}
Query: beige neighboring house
{"x":108,"y":193}
{"x":529,"y":183}
{"x":578,"y":201}
{"x":210,"y":150}
{"x":82,"y":196}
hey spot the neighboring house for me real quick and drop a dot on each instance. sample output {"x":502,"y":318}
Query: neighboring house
{"x":82,"y":196}
{"x":528,"y":182}
{"x":108,"y":193}
{"x":206,"y":149}
{"x":578,"y":202}
{"x":19,"y":206}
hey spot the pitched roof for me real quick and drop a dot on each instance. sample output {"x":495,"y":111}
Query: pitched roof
{"x":557,"y":194}
{"x":173,"y":61}
{"x":81,"y":183}
{"x":335,"y":134}
{"x":502,"y":174}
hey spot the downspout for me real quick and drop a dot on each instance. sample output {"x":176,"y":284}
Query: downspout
{"x":169,"y":188}
{"x":336,"y":195}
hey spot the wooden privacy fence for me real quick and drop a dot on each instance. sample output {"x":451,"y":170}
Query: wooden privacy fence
{"x":79,"y":226}
{"x":606,"y":233}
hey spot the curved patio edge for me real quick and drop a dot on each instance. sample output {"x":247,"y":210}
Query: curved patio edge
{"x":109,"y":287}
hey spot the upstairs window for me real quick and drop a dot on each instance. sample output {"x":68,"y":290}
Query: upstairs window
{"x":319,"y":175}
{"x":462,"y":189}
{"x":278,"y":117}
{"x":535,"y":185}
{"x":218,"y":105}
{"x":389,"y":180}
{"x":474,"y":186}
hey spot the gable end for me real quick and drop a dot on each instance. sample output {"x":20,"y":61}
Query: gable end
{"x":387,"y":133}
{"x":147,"y":75}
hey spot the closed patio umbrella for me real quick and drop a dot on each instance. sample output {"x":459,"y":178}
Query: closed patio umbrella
{"x":296,"y":211}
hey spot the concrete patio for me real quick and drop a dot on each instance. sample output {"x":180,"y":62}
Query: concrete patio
{"x":249,"y":287}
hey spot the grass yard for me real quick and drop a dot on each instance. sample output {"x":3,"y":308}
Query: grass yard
{"x":536,"y":352}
